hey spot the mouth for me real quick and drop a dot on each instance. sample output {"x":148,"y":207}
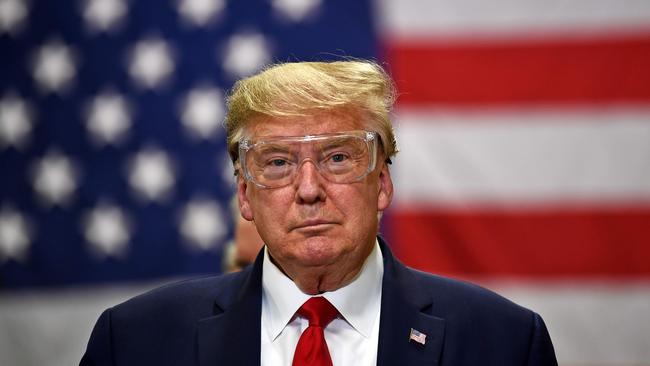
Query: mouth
{"x":316,"y":224}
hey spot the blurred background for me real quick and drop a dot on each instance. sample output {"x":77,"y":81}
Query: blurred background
{"x":523,"y":125}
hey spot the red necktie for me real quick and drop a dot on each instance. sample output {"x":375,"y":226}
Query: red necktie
{"x":312,"y":348}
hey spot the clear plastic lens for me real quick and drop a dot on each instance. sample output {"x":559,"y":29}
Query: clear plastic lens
{"x":341,"y":158}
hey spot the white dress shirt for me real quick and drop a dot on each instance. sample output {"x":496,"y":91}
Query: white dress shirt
{"x":351,"y":338}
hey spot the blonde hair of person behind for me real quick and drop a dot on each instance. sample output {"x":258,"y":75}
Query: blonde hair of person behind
{"x":303,"y":88}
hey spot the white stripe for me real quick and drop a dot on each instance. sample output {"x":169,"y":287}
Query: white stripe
{"x":590,"y":324}
{"x":416,"y":18}
{"x":523,"y":157}
{"x":53,"y":327}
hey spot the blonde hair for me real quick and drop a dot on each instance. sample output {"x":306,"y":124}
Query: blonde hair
{"x":302,"y":88}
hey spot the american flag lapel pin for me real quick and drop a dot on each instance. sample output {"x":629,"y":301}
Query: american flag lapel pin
{"x":417,"y":336}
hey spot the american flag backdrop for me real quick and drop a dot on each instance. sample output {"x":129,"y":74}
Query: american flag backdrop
{"x":525,"y":162}
{"x":112,"y":148}
{"x":524,"y":130}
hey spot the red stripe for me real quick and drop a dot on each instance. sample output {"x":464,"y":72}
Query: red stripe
{"x":535,"y":244}
{"x":551,"y":71}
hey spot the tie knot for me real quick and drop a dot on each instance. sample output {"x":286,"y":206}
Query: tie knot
{"x":318,"y":311}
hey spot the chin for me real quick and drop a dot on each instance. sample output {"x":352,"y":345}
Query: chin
{"x":319,"y":251}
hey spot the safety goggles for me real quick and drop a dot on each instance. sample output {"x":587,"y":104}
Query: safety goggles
{"x":344,"y":157}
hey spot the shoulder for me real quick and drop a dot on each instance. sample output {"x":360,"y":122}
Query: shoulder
{"x":159,"y":326}
{"x":487,"y":327}
{"x":192,"y":298}
{"x":450,"y":298}
{"x":458,"y":288}
{"x":456,"y":299}
{"x":481,"y":326}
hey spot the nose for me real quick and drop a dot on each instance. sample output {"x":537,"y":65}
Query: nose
{"x":309,"y":183}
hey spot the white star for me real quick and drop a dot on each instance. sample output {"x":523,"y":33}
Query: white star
{"x":15,"y":121}
{"x":104,"y":15}
{"x":202,"y":223}
{"x":54,"y":178}
{"x":296,"y":10}
{"x":15,"y":235}
{"x":203,"y":111}
{"x":54,"y":66}
{"x":12,"y":15}
{"x":107,"y":230}
{"x":246,"y":53}
{"x":200,"y":12}
{"x":108,"y":118}
{"x":151,"y":63}
{"x":151,"y":174}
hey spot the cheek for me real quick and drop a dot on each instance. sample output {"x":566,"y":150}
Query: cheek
{"x":269,"y":206}
{"x":359,"y":205}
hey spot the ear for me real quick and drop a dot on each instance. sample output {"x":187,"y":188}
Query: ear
{"x":244,"y":204}
{"x":385,"y":188}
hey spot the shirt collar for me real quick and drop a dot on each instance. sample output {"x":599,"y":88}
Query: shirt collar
{"x":358,"y":302}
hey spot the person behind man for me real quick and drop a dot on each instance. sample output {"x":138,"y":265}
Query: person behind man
{"x":245,"y":245}
{"x":311,"y":144}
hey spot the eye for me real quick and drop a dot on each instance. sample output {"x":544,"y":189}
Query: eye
{"x":338,"y":158}
{"x":278,"y":162}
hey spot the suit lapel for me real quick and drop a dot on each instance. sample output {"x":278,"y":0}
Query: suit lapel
{"x":404,"y":306}
{"x":232,"y":336}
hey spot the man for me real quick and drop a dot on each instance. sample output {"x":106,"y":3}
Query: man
{"x":311,"y":144}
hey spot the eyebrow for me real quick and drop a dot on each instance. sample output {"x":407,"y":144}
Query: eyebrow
{"x":272,"y":147}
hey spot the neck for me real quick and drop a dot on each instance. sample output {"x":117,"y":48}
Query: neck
{"x":316,"y":280}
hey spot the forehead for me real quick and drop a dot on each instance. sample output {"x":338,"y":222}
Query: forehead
{"x":316,"y":124}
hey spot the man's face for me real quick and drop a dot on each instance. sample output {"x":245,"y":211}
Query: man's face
{"x":313,"y":227}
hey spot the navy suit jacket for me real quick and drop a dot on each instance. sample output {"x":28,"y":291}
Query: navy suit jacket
{"x":215,"y":321}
